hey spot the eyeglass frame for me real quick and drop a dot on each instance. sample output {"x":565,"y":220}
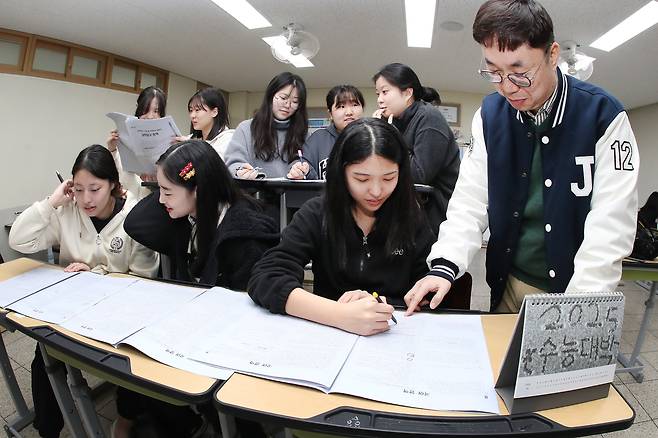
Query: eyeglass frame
{"x":286,"y":100}
{"x":509,"y":76}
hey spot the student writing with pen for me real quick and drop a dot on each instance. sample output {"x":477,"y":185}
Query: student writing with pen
{"x":365,"y":234}
{"x":270,"y":139}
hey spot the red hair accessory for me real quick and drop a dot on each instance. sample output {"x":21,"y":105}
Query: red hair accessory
{"x":187,"y":172}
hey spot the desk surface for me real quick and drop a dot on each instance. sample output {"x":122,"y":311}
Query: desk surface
{"x":124,"y":366}
{"x":633,"y":269}
{"x":307,"y":408}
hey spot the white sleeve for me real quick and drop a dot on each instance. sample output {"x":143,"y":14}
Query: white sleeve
{"x":129,"y":181}
{"x":36,"y":229}
{"x":460,"y":235}
{"x":611,"y":223}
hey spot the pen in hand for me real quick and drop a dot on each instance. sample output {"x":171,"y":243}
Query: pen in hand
{"x":59,"y":175}
{"x":379,"y":300}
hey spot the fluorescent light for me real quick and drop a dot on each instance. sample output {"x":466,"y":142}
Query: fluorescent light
{"x":280,"y":45}
{"x":420,"y":22}
{"x":640,"y":21}
{"x":242,"y":11}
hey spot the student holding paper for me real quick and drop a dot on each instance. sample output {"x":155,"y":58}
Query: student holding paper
{"x":433,"y":152}
{"x":209,"y":119}
{"x":365,"y":234}
{"x":345,"y":104}
{"x":270,"y":141}
{"x":151,"y":104}
{"x":84,"y":216}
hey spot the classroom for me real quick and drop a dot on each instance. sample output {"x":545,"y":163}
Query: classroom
{"x":274,"y":100}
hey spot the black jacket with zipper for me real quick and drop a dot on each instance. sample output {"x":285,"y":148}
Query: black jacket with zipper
{"x":368,"y":267}
{"x":240,"y":241}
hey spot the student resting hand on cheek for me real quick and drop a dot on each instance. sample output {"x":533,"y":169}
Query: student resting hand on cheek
{"x":345,"y":104}
{"x":365,"y":234}
{"x":84,"y":216}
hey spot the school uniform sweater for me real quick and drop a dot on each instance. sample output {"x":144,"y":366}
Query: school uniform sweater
{"x":368,"y":266}
{"x":589,"y":169}
{"x":111,"y":250}
{"x":220,"y":142}
{"x":434,"y":156}
{"x":242,"y":237}
{"x":240,"y":150}
{"x":317,"y":149}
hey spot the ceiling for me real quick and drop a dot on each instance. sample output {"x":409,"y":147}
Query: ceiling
{"x":197,"y":39}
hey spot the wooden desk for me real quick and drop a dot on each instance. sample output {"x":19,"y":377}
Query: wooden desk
{"x":309,"y":409}
{"x":123,"y":366}
{"x":633,"y":271}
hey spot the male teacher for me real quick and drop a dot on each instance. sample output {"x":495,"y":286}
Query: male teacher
{"x":552,"y":171}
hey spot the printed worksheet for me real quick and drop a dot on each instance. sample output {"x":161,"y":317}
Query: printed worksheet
{"x":141,"y":142}
{"x":425,"y":361}
{"x":25,"y":284}
{"x":119,"y":315}
{"x":71,"y":297}
{"x":170,"y":339}
{"x":252,"y":340}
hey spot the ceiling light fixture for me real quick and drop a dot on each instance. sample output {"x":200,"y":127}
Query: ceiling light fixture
{"x":640,"y":21}
{"x":420,"y":22}
{"x":242,"y":11}
{"x":280,"y":44}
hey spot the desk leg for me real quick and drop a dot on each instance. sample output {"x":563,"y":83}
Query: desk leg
{"x":633,"y":364}
{"x":63,"y":394}
{"x":81,"y":395}
{"x":283,"y":211}
{"x":227,"y":425}
{"x":24,"y":416}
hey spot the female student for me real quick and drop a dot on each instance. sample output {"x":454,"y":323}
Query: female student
{"x":365,"y":234}
{"x":84,"y":216}
{"x":345,"y":104}
{"x":151,"y":104}
{"x":270,"y":141}
{"x":209,"y":119}
{"x":434,"y":154}
{"x":212,"y":234}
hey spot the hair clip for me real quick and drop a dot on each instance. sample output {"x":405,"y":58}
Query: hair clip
{"x":187,"y":172}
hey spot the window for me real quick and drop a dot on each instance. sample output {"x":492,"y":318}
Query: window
{"x":34,"y":55}
{"x":13,"y":48}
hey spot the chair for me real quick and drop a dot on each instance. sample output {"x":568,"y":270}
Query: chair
{"x":459,"y":296}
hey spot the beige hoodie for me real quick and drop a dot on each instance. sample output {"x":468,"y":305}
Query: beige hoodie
{"x":40,"y":226}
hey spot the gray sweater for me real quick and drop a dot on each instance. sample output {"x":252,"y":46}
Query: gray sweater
{"x":241,"y":150}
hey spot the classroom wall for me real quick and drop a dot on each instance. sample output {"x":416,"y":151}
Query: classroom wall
{"x":242,"y":104}
{"x":45,"y":123}
{"x":644,"y":121}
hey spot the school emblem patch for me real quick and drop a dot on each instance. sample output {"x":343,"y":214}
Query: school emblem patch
{"x":116,"y":244}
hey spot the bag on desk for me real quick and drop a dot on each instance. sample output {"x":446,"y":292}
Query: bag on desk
{"x":645,"y":246}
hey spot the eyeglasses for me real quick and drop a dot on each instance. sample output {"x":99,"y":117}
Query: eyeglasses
{"x":285,"y":100}
{"x":519,"y":79}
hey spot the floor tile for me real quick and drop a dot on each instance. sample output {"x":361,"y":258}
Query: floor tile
{"x":650,"y":342}
{"x":22,"y":351}
{"x":647,"y":394}
{"x":7,"y":407}
{"x":646,"y":429}
{"x":640,"y":414}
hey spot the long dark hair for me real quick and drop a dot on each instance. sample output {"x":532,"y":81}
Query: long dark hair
{"x":210,"y":98}
{"x":262,"y":126}
{"x":213,"y":183}
{"x":399,"y":216}
{"x":403,"y":77}
{"x":98,"y":161}
{"x":144,"y":101}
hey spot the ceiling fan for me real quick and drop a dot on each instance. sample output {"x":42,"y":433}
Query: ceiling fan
{"x":574,"y":62}
{"x":294,"y":43}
